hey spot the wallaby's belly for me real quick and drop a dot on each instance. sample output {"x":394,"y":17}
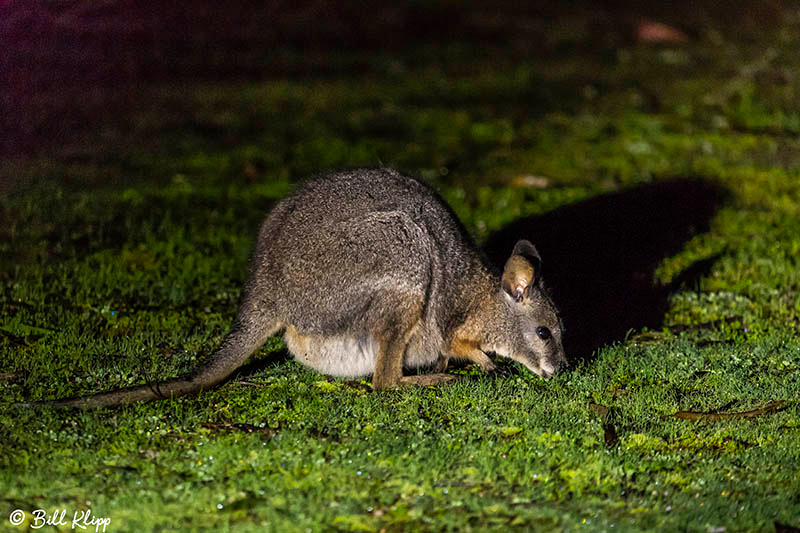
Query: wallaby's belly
{"x":349,"y":356}
{"x":336,"y":355}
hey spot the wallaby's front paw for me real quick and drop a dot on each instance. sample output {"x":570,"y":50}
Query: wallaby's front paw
{"x":501,"y":371}
{"x":488,"y":367}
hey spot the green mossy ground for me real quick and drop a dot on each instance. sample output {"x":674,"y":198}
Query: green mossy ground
{"x":123,"y":258}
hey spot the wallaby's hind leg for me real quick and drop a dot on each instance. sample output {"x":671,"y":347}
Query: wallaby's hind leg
{"x":392,"y":329}
{"x":392,"y":347}
{"x":389,"y":365}
{"x":389,"y":370}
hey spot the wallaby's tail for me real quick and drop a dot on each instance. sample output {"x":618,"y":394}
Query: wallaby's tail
{"x":248,"y":333}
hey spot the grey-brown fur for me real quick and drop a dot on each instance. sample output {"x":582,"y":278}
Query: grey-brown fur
{"x":367,"y":272}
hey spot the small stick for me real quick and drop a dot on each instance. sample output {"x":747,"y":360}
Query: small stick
{"x":689,"y":415}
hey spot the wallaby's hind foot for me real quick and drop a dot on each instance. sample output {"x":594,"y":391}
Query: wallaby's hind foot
{"x":425,"y":380}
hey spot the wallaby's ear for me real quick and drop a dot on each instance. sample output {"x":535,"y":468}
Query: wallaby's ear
{"x":521,"y":270}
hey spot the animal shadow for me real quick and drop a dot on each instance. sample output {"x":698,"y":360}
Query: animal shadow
{"x":599,"y":256}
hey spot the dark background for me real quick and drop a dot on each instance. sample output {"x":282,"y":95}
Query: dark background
{"x":67,"y":66}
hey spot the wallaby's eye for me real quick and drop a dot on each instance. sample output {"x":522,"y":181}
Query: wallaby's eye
{"x":543,"y":333}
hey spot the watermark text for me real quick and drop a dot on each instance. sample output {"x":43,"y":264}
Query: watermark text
{"x":80,"y":520}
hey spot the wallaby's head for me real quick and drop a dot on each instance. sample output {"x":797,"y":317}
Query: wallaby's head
{"x":527,"y":328}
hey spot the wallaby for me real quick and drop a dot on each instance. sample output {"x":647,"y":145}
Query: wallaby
{"x":366,"y":272}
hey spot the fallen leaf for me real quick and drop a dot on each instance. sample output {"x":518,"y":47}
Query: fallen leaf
{"x":530,"y":180}
{"x":657,"y":32}
{"x":609,"y":435}
{"x":609,"y":431}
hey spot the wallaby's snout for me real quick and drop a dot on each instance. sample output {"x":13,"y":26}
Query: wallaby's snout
{"x":544,"y":357}
{"x":552,"y":358}
{"x":552,"y":364}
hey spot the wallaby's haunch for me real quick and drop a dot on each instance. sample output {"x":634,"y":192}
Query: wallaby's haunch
{"x":368,"y":272}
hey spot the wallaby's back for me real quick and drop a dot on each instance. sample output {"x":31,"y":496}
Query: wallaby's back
{"x":344,"y":238}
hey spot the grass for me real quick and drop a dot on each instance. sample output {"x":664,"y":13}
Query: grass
{"x":123,"y":256}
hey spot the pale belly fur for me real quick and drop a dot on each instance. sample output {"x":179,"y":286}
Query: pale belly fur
{"x":342,"y":356}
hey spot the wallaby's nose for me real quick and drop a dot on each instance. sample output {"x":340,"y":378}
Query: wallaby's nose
{"x":549,"y":370}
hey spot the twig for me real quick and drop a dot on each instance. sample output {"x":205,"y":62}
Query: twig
{"x":689,"y":415}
